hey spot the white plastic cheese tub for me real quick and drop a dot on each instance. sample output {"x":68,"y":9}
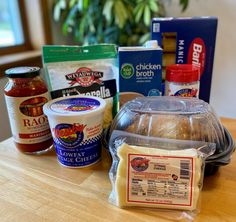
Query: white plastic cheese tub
{"x":76,"y":127}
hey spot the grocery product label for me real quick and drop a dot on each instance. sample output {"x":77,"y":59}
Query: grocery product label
{"x":85,"y":70}
{"x":105,"y":90}
{"x":78,"y":144}
{"x":188,"y":40}
{"x":28,"y":123}
{"x":127,"y":71}
{"x":140,"y":71}
{"x":197,"y":54}
{"x":84,"y":76}
{"x":75,"y":105}
{"x":166,"y":180}
{"x":184,"y":90}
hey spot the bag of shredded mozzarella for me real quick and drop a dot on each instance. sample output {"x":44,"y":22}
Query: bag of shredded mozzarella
{"x":83,"y":70}
{"x":162,"y":174}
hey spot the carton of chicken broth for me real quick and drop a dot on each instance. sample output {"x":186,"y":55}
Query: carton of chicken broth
{"x":140,"y":72}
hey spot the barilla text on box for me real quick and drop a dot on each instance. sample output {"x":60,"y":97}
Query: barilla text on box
{"x":188,"y":40}
{"x":140,"y":72}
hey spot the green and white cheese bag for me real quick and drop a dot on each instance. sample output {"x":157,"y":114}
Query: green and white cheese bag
{"x":83,"y":70}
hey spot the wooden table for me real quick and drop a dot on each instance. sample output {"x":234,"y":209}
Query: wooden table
{"x":37,"y":188}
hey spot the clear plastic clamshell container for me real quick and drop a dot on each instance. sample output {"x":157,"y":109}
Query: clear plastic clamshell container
{"x":176,"y":118}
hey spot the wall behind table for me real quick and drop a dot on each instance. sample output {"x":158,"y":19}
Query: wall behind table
{"x":224,"y":75}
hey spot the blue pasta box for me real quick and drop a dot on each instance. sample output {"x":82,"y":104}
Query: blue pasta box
{"x":188,"y":41}
{"x":140,"y":71}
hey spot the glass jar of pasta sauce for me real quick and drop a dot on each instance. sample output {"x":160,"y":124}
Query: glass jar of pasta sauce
{"x":25,"y":95}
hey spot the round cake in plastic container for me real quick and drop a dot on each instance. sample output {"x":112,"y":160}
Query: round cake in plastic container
{"x":177,"y":118}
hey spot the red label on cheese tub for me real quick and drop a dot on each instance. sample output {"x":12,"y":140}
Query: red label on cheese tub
{"x":197,"y":54}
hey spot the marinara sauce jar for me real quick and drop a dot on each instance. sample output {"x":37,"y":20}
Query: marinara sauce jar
{"x":25,"y":95}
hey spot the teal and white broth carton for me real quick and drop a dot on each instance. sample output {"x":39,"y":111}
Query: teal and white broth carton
{"x":140,"y":71}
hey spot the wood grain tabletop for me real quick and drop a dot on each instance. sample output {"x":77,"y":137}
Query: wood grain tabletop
{"x":36,"y":188}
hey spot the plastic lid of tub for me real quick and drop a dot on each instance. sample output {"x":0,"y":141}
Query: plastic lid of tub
{"x":74,"y":106}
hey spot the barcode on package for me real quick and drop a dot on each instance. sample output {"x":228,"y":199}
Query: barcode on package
{"x":156,"y":27}
{"x":185,"y":169}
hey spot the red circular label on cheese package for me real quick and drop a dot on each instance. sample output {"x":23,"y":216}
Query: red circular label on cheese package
{"x":140,"y":164}
{"x":197,"y":54}
{"x":84,"y":77}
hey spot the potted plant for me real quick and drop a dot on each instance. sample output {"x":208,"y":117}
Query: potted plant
{"x":123,"y":22}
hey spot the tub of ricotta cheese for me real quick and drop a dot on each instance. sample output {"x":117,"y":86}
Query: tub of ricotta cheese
{"x":76,"y":127}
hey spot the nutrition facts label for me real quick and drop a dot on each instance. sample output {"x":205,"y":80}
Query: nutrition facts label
{"x":161,"y":180}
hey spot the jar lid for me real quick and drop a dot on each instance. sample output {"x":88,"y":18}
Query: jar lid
{"x":184,"y":73}
{"x":22,"y":72}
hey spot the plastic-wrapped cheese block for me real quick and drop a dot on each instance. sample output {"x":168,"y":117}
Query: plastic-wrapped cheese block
{"x":157,"y":178}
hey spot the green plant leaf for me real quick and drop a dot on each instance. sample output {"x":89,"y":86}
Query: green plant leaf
{"x":100,"y":35}
{"x":144,"y":38}
{"x":65,"y":29}
{"x":85,"y":4}
{"x":153,"y":6}
{"x":91,"y":25}
{"x":129,"y":9}
{"x":120,"y":13}
{"x":72,"y":14}
{"x":147,"y":16}
{"x":139,"y":13}
{"x":81,"y":30}
{"x":184,"y":4}
{"x":110,"y":30}
{"x":123,"y":22}
{"x":60,"y":5}
{"x":72,"y":3}
{"x":80,"y":5}
{"x":56,"y":13}
{"x":107,"y":10}
{"x":137,"y":8}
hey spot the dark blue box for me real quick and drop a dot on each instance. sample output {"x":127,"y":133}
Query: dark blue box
{"x":188,"y":40}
